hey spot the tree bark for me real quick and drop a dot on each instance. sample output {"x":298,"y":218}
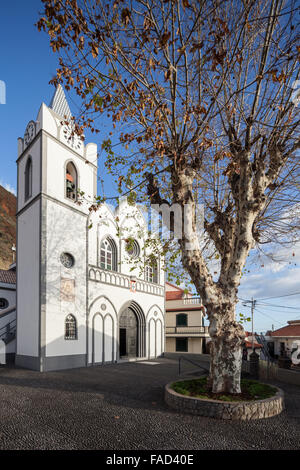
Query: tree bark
{"x":226,"y":351}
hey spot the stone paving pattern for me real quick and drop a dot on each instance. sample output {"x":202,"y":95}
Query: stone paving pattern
{"x":122,"y":406}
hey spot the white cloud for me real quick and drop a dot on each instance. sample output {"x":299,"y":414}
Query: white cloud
{"x":8,"y":187}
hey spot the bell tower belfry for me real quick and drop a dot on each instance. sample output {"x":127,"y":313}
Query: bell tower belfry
{"x":54,"y":165}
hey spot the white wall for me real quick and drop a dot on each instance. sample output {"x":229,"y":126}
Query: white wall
{"x":194,"y":317}
{"x":28,"y":281}
{"x":288,"y":342}
{"x":66,"y":232}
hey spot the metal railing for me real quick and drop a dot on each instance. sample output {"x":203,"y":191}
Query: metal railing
{"x":182,"y":358}
{"x":187,"y":301}
{"x":8,"y":332}
{"x":261,"y":340}
{"x":186,"y":330}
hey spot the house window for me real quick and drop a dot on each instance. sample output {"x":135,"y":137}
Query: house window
{"x":108,"y":254}
{"x":71,"y":182}
{"x":181,"y":344}
{"x":3,"y":304}
{"x":151,"y":273}
{"x":70,"y":327}
{"x":28,"y":179}
{"x":181,"y":319}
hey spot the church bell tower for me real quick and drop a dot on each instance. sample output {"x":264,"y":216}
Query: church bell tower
{"x":54,"y":165}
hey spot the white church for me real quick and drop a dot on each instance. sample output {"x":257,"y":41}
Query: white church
{"x":78,"y":300}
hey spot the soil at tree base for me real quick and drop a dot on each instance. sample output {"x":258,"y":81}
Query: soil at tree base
{"x":250,"y":390}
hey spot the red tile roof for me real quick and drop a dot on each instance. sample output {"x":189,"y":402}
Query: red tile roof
{"x":290,"y":330}
{"x":248,"y":344}
{"x":172,"y":295}
{"x":248,"y":341}
{"x":7,"y":277}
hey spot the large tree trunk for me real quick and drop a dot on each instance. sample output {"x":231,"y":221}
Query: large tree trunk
{"x":226,"y":351}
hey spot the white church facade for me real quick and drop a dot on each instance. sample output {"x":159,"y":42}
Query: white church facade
{"x":78,"y":300}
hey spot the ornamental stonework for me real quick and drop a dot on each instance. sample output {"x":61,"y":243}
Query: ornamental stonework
{"x":67,"y":290}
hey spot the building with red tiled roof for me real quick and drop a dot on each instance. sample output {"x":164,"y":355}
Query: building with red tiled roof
{"x":7,"y":277}
{"x":175,"y":292}
{"x":284,"y":338}
{"x":250,"y":343}
{"x":185,"y":330}
{"x":7,"y":289}
{"x":291,"y":330}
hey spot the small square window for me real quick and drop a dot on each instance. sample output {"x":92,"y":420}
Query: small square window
{"x":181,"y":344}
{"x":181,"y":319}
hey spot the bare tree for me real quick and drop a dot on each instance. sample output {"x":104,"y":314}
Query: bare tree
{"x":203,"y":94}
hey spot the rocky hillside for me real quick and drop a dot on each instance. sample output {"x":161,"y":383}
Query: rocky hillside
{"x":8,"y":207}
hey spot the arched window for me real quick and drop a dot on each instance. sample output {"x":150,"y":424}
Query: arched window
{"x":181,"y":319}
{"x":70,"y":327}
{"x":28,"y":179}
{"x":108,"y":254}
{"x":151,"y":272}
{"x":71,"y":182}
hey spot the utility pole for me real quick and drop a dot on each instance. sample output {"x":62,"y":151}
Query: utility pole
{"x":253,"y":302}
{"x":13,"y":249}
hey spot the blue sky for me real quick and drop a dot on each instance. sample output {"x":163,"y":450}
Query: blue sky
{"x":27,"y":64}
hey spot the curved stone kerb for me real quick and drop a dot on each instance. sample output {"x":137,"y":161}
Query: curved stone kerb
{"x":237,"y":410}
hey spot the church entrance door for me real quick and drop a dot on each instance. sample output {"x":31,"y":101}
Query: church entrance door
{"x":123,"y":349}
{"x":128,"y":334}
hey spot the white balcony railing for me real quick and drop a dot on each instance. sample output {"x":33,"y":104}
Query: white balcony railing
{"x":123,"y":280}
{"x":192,"y":301}
{"x":186,"y":330}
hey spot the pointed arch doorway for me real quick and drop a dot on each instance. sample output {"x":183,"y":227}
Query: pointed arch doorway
{"x":132,"y":335}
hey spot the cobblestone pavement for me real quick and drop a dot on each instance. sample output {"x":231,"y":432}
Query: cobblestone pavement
{"x":121,"y":407}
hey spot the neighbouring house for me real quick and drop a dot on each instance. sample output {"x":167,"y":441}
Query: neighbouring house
{"x":250,"y":345}
{"x":282,"y":341}
{"x":7,"y":288}
{"x":184,"y":320}
{"x":7,"y":314}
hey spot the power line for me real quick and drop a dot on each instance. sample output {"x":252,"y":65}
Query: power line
{"x":280,"y":296}
{"x":268,"y":316}
{"x":274,"y":305}
{"x":274,"y":297}
{"x":253,"y":305}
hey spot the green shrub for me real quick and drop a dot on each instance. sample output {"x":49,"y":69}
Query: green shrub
{"x":251,"y":390}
